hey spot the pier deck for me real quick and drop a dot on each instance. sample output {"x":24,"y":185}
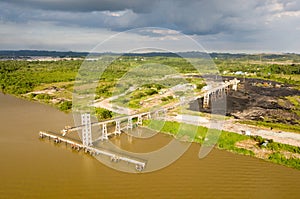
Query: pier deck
{"x":140,"y":165}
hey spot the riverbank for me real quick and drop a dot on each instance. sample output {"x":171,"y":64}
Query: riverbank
{"x":259,"y":147}
{"x":234,"y":125}
{"x":32,"y":168}
{"x":278,"y":150}
{"x":278,"y":147}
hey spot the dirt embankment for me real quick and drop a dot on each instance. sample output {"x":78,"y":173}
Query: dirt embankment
{"x":263,"y":152}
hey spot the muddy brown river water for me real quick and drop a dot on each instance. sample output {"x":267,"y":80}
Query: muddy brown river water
{"x":33,"y":168}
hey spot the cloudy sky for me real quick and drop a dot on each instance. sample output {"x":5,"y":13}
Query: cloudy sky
{"x":218,"y":25}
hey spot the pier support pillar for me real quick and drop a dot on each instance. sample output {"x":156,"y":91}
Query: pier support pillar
{"x":118,"y":128}
{"x":156,"y":114}
{"x":87,"y":129}
{"x":214,"y":96}
{"x":220,"y":93}
{"x":140,"y":120}
{"x":206,"y":100}
{"x":227,"y":90}
{"x":234,"y":87}
{"x":104,"y":132}
{"x":129,"y":124}
{"x":235,"y":84}
{"x":148,"y":116}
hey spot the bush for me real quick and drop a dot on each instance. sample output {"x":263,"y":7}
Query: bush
{"x":103,"y":113}
{"x":278,"y":146}
{"x":200,"y":86}
{"x":281,"y":159}
{"x":151,"y":91}
{"x":170,"y":97}
{"x":134,"y":104}
{"x":258,"y":139}
{"x":31,"y":95}
{"x":164,"y":99}
{"x":66,"y":105}
{"x":42,"y":96}
{"x":138,"y":95}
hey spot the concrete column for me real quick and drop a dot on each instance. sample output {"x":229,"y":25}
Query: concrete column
{"x":104,"y":132}
{"x":140,"y":120}
{"x":227,"y":89}
{"x":156,"y":114}
{"x":206,"y":100}
{"x":214,"y":96}
{"x":235,"y":84}
{"x":129,"y":124}
{"x":87,"y":129}
{"x":118,"y":128}
{"x":221,"y":93}
{"x":148,"y":116}
{"x":234,"y":87}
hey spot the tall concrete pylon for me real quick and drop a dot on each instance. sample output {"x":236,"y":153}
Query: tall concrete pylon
{"x":129,"y":124}
{"x":118,"y":127}
{"x":87,"y":129}
{"x":235,"y":84}
{"x":104,"y":132}
{"x":206,"y":100}
{"x":140,"y":120}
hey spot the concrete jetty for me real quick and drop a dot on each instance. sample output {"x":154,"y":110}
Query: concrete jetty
{"x":115,"y":157}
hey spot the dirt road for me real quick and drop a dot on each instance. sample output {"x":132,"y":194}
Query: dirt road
{"x":231,"y":125}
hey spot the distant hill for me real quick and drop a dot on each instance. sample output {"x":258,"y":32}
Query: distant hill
{"x":29,"y":53}
{"x":214,"y":55}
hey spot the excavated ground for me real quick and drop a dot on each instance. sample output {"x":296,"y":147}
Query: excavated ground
{"x":259,"y":100}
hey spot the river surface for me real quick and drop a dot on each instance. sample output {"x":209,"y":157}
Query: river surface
{"x":34,"y":168}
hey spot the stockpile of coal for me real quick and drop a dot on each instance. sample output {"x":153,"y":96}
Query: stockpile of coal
{"x":257,"y":99}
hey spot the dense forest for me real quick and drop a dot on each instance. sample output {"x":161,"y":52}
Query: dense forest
{"x":192,"y":54}
{"x":19,"y":77}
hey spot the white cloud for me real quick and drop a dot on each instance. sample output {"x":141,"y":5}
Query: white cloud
{"x":220,"y":25}
{"x":48,"y":36}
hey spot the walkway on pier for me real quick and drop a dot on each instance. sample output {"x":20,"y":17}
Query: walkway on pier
{"x":140,"y":165}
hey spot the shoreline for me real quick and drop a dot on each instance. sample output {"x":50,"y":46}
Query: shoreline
{"x":284,"y":137}
{"x":230,"y":148}
{"x":37,"y":101}
{"x":231,"y":142}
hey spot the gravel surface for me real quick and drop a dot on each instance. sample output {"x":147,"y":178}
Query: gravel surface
{"x":232,"y":126}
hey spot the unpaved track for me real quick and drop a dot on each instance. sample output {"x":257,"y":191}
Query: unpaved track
{"x":232,"y":126}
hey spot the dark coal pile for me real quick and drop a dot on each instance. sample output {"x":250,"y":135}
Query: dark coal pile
{"x":259,"y":100}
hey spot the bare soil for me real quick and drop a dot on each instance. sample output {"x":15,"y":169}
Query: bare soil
{"x":259,"y":100}
{"x":252,"y":146}
{"x":262,"y":152}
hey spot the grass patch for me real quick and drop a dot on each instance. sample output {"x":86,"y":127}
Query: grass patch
{"x":294,"y":100}
{"x":281,"y":159}
{"x":226,"y":140}
{"x":275,"y":146}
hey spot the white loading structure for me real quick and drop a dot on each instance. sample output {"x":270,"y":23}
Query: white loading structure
{"x":86,"y":129}
{"x":114,"y":157}
{"x":86,"y":125}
